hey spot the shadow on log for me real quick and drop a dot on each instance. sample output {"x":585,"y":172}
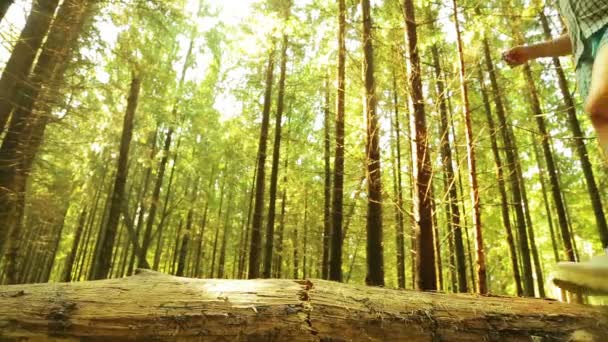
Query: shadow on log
{"x":156,"y":307}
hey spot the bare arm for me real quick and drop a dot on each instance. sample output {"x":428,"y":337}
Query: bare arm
{"x":518,"y":55}
{"x":561,"y":46}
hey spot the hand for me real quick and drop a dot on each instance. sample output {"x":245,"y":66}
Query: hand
{"x":517,"y":56}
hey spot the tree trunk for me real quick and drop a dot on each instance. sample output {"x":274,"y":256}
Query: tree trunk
{"x":426,"y":278}
{"x":375,"y":250}
{"x":107,"y":244}
{"x":446,"y":156}
{"x":243,"y":255}
{"x":398,"y":188}
{"x":217,"y":227}
{"x":280,"y":310}
{"x":227,"y":229}
{"x":258,"y":212}
{"x":69,"y":260}
{"x":19,"y":65}
{"x":512,"y":160}
{"x":504,"y":199}
{"x":32,"y":106}
{"x":276,"y":155}
{"x":327,"y":187}
{"x":181,"y":264}
{"x":200,"y":251}
{"x":548,"y":209}
{"x":482,"y":286}
{"x":579,"y":143}
{"x":280,"y":248}
{"x":337,"y":198}
{"x":551,"y":167}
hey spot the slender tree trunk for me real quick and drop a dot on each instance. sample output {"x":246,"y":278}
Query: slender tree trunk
{"x":327,"y":187}
{"x":476,"y":211}
{"x":280,"y":248}
{"x":32,"y":112}
{"x":579,"y":142}
{"x":274,"y":174}
{"x":217,"y":227}
{"x":105,"y":257}
{"x":426,"y":278}
{"x":551,"y":168}
{"x":548,"y":209}
{"x":69,"y":261}
{"x":256,"y":229}
{"x":535,"y":252}
{"x":243,"y":256}
{"x":305,"y":242}
{"x":200,"y":252}
{"x":504,"y":199}
{"x":296,"y":253}
{"x":375,"y":253}
{"x":165,"y":213}
{"x":337,"y":198}
{"x":512,"y":160}
{"x":19,"y":65}
{"x":227,"y":229}
{"x":455,"y":228}
{"x":181,"y":265}
{"x":399,"y":210}
{"x":175,"y":250}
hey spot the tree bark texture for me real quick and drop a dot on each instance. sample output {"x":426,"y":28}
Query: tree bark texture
{"x":337,"y":198}
{"x":512,"y":160}
{"x":455,"y":228}
{"x":107,"y":244}
{"x":258,"y":210}
{"x":274,"y":173}
{"x":426,"y":278}
{"x":184,"y":309}
{"x":20,"y":63}
{"x":482,"y":286}
{"x":375,"y":253}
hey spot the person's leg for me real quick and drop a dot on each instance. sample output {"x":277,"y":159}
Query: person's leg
{"x":596,"y":104}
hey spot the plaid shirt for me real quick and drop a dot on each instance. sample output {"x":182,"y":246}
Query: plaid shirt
{"x":584,"y":18}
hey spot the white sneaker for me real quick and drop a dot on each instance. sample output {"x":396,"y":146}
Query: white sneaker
{"x":591,"y":275}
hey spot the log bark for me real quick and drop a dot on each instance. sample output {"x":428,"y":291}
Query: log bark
{"x":184,"y":309}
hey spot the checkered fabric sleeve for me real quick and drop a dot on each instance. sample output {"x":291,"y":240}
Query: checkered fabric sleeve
{"x":584,"y":18}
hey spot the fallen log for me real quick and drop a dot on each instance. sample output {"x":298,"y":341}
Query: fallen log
{"x":156,"y":307}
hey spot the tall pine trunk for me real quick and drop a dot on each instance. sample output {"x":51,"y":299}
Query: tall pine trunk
{"x":107,"y":244}
{"x":375,"y":254}
{"x":19,"y":64}
{"x":455,"y":228}
{"x":274,"y":174}
{"x":426,"y":278}
{"x":512,"y":160}
{"x":482,"y":286}
{"x":337,"y":198}
{"x":32,"y":104}
{"x":502,"y":189}
{"x":398,"y":189}
{"x":71,"y":258}
{"x":550,"y":162}
{"x":258,"y":212}
{"x":327,"y":185}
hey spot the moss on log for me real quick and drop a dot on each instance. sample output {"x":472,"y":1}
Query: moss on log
{"x":156,"y":307}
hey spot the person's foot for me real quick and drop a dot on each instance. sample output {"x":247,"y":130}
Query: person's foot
{"x":589,"y":275}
